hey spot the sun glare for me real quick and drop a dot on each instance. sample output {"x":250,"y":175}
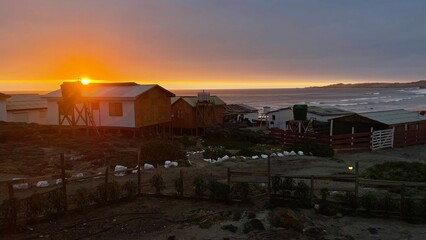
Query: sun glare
{"x":85,"y":81}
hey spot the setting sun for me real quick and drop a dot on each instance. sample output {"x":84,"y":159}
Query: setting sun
{"x":85,"y":81}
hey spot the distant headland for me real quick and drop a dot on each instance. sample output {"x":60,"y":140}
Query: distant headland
{"x":417,"y":84}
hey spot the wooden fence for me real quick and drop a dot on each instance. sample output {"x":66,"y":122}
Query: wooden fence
{"x":339,"y":183}
{"x":409,"y":137}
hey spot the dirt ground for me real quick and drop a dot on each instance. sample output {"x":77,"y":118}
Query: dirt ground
{"x":167,"y":218}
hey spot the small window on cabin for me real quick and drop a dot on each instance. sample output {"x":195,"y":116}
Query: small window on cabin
{"x":95,"y":105}
{"x":179,"y":114}
{"x":273,"y":117}
{"x":116,"y":109}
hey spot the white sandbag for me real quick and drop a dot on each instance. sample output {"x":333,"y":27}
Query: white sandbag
{"x":167,"y":162}
{"x":300,"y":153}
{"x":58,"y":181}
{"x":255,"y":157}
{"x":233,"y":157}
{"x":148,"y":166}
{"x":120,"y":168}
{"x":174,"y":164}
{"x":219,"y":159}
{"x":226,"y":157}
{"x":292,"y":153}
{"x":207,"y":160}
{"x":280,"y":155}
{"x":274,"y":155}
{"x":286,"y":153}
{"x":78,"y":175}
{"x":264,"y":156}
{"x":20,"y":186}
{"x":42,"y":184}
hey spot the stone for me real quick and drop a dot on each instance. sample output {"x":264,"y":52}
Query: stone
{"x":253,"y":224}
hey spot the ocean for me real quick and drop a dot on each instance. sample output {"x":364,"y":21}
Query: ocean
{"x":352,"y":99}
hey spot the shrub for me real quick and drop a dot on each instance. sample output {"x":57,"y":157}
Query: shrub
{"x":242,"y":190}
{"x":130,"y":189}
{"x":187,"y":141}
{"x":288,"y":183}
{"x":324,"y":194}
{"x":215,"y":153}
{"x":385,"y":202}
{"x":105,"y":193}
{"x":81,"y":197}
{"x":249,"y":152}
{"x":55,"y":203}
{"x":33,"y":206}
{"x":397,"y":171}
{"x":200,"y":186}
{"x":100,"y":194}
{"x":219,"y":191}
{"x":158,"y":183}
{"x":302,"y":190}
{"x":6,"y":212}
{"x":179,"y":186}
{"x":158,"y":151}
{"x":114,"y":191}
{"x":369,"y":201}
{"x":316,"y":148}
{"x":276,"y":183}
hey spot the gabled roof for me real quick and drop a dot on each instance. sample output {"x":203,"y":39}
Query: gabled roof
{"x":25,"y":102}
{"x":279,"y":110}
{"x":192,"y":100}
{"x":394,"y":117}
{"x":239,"y":108}
{"x":111,"y":90}
{"x":327,"y":111}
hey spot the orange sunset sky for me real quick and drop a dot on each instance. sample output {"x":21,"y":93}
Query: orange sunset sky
{"x":187,"y":44}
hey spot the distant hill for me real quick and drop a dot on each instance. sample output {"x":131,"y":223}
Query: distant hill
{"x":419,"y":84}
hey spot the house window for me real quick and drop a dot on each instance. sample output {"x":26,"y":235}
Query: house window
{"x":179,"y":113}
{"x":273,"y":117}
{"x":95,"y":105}
{"x":115,"y":109}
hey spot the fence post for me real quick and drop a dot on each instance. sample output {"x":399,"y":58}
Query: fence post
{"x":13,"y":212}
{"x":181,"y":180}
{"x":139,"y":170}
{"x":356,"y":187}
{"x":229,"y":176}
{"x":64,"y":183}
{"x":311,"y":193}
{"x":106,"y":181}
{"x":269,"y":176}
{"x":403,"y":201}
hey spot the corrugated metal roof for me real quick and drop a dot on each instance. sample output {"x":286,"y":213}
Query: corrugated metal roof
{"x":110,"y":91}
{"x":327,"y":111}
{"x":25,"y":102}
{"x":192,"y":100}
{"x":394,"y":117}
{"x":239,"y":108}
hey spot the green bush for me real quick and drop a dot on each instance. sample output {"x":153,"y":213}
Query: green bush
{"x":219,"y":191}
{"x":179,"y":186}
{"x":397,"y":171}
{"x":158,"y":183}
{"x":130,"y":188}
{"x":215,"y":153}
{"x":100,"y":194}
{"x":158,"y":151}
{"x":289,"y":184}
{"x":81,"y":198}
{"x":55,"y":203}
{"x":6,"y":212}
{"x":187,"y":141}
{"x":276,"y":183}
{"x":302,"y":190}
{"x":242,"y":190}
{"x":385,"y":202}
{"x":200,"y":186}
{"x":106,"y":193}
{"x":316,"y":148}
{"x":114,"y":191}
{"x":33,"y":207}
{"x":369,"y":201}
{"x":249,"y":152}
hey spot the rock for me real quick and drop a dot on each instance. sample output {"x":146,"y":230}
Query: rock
{"x":373,"y":230}
{"x":280,"y":155}
{"x":286,"y":153}
{"x":148,"y":166}
{"x":253,"y":224}
{"x":255,"y":157}
{"x":274,"y":154}
{"x":119,"y":168}
{"x":292,"y":153}
{"x":264,"y":156}
{"x":226,"y":157}
{"x":300,"y":153}
{"x":314,"y":232}
{"x":230,"y":228}
{"x":286,"y":218}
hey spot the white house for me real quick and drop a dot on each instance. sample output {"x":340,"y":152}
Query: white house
{"x":27,"y":108}
{"x":3,"y":113}
{"x":121,"y":105}
{"x":279,"y":118}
